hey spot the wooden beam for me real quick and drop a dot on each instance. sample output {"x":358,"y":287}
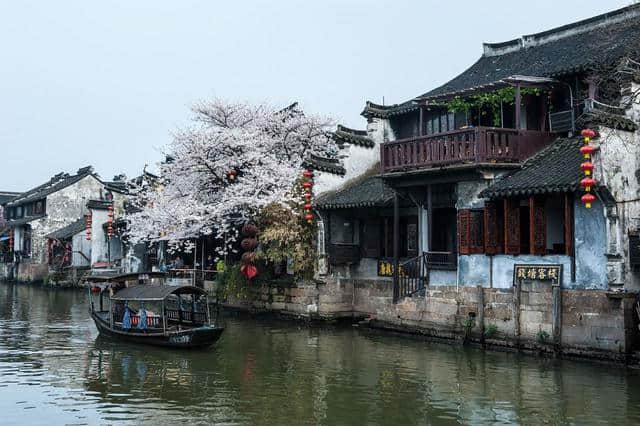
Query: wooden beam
{"x":517,"y":104}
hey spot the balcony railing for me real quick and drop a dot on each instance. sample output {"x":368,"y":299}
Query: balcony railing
{"x":476,"y":145}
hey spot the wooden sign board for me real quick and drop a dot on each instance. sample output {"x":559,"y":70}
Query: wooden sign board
{"x":552,"y":273}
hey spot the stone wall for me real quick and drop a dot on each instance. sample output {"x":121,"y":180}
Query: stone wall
{"x":591,"y":323}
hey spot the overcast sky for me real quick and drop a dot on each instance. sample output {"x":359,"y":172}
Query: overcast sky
{"x":105,"y":83}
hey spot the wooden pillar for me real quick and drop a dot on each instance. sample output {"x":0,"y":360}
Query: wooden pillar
{"x":516,"y":312}
{"x":517,"y":104}
{"x":421,"y":122}
{"x":481,"y":311}
{"x":557,"y":316}
{"x":429,"y":218}
{"x":396,"y":245}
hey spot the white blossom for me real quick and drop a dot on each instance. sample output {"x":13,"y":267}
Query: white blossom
{"x":195,"y":194}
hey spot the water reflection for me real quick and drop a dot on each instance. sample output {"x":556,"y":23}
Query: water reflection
{"x":55,"y":369}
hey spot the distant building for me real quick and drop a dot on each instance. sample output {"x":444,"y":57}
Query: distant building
{"x":41,"y":224}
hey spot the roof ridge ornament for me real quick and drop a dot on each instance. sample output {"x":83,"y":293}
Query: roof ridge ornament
{"x":578,"y":27}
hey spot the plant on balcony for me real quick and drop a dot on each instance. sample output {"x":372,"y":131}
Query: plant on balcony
{"x":490,"y":100}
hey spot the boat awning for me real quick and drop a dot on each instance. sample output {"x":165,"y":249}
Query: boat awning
{"x":155,"y":292}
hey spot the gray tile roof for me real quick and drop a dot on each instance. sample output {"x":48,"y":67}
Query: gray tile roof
{"x":604,"y":39}
{"x":369,"y":191}
{"x":386,"y":111}
{"x":358,"y":137}
{"x":322,"y":164}
{"x":555,"y":169}
{"x":6,"y":196}
{"x":56,"y":183}
{"x":23,"y":221}
{"x":69,"y":230}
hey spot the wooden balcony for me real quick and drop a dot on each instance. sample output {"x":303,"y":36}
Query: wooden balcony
{"x":476,"y":145}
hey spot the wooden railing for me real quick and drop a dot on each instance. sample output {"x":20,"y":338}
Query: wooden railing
{"x":186,"y":316}
{"x":471,"y":145}
{"x":413,"y":275}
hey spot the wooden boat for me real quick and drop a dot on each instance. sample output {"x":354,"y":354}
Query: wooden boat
{"x":142,"y":309}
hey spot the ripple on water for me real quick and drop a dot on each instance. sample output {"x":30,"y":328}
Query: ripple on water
{"x":264,"y":371}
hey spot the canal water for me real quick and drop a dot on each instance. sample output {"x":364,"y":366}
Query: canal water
{"x":54,"y":369}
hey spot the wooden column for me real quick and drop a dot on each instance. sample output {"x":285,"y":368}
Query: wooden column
{"x":396,"y":245}
{"x":516,"y":312}
{"x":557,"y":316}
{"x":517,"y":104}
{"x":429,"y":218}
{"x":421,"y":122}
{"x":481,"y":311}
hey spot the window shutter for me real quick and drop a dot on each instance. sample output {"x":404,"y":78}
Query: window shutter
{"x":492,"y":229}
{"x":463,"y":231}
{"x":538,"y":228}
{"x":512,"y":227}
{"x":476,"y":232}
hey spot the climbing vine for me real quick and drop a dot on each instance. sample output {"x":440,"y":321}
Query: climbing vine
{"x":490,"y":100}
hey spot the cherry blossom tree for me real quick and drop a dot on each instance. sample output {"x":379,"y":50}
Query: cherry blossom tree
{"x":220,"y":172}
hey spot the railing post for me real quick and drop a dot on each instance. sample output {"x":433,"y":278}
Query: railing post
{"x":396,"y":246}
{"x":480,"y":145}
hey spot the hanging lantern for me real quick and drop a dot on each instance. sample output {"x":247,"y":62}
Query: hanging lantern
{"x":587,"y":151}
{"x":249,"y":244}
{"x":249,"y":230}
{"x":307,"y":195}
{"x":88,"y":222}
{"x":307,"y":185}
{"x":309,"y":217}
{"x":587,"y":168}
{"x":231,"y":175}
{"x":11,"y":239}
{"x":587,"y":199}
{"x":588,"y":134}
{"x":307,"y":206}
{"x":308,"y":174}
{"x":587,"y":184}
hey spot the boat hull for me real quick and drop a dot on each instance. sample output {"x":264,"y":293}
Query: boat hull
{"x":201,"y":337}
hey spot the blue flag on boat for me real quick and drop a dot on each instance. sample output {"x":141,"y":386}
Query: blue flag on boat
{"x":126,"y":318}
{"x":142,"y":324}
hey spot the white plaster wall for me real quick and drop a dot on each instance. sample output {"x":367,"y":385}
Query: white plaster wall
{"x":99,"y":249}
{"x":357,"y":160}
{"x":80,"y":245}
{"x":618,"y":168}
{"x":62,"y":208}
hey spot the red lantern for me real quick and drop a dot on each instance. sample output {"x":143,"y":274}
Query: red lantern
{"x":88,"y":221}
{"x":587,"y":184}
{"x":587,"y":167}
{"x":307,"y":185}
{"x":307,"y":206}
{"x":308,"y":216}
{"x":11,"y":239}
{"x":307,"y":174}
{"x":588,"y":134}
{"x":249,"y":230}
{"x":248,"y":257}
{"x":248,"y":244}
{"x":587,"y":151}
{"x":307,"y":195}
{"x":249,"y":271}
{"x":587,"y":199}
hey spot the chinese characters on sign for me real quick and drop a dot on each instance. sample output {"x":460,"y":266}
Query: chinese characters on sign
{"x":551,"y":273}
{"x":385,"y":268}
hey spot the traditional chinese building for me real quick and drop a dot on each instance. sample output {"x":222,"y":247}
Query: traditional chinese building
{"x":474,"y":217}
{"x":46,"y":226}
